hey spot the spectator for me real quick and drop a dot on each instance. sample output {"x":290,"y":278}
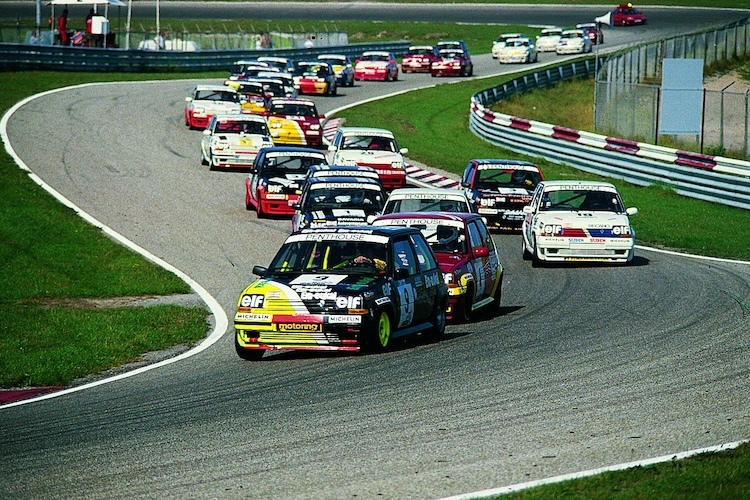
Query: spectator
{"x":89,"y":27}
{"x":62,"y":28}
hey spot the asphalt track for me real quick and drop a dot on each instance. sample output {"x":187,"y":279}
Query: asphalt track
{"x":583,"y":366}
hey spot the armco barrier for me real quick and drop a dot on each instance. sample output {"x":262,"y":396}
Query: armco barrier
{"x":710,"y":178}
{"x":59,"y":58}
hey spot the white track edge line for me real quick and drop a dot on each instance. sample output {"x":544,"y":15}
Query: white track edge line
{"x":504,"y":490}
{"x":222,"y":323}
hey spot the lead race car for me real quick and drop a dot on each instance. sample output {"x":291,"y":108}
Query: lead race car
{"x":342,"y":289}
{"x":577,"y":221}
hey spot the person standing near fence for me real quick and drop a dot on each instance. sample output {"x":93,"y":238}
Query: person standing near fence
{"x":89,"y":27}
{"x":62,"y":28}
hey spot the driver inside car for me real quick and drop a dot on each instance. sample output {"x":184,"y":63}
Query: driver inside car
{"x":363,"y":255}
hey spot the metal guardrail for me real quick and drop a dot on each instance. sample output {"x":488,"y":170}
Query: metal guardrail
{"x":60,"y":58}
{"x":710,"y":178}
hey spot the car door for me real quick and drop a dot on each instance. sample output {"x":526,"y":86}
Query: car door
{"x":487,"y":255}
{"x":256,"y":173}
{"x":476,"y":243}
{"x":432,"y":277}
{"x":407,"y":281}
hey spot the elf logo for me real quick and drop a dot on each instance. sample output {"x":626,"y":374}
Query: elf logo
{"x":252,"y":301}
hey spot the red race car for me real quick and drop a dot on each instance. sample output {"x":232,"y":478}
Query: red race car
{"x":276,"y":178}
{"x":453,"y":62}
{"x":419,"y":59}
{"x":466,"y":254}
{"x":625,"y":15}
{"x":295,"y":122}
{"x":376,"y":65}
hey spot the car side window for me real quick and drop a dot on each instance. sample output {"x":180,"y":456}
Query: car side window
{"x":403,"y":256}
{"x":475,"y":238}
{"x":425,"y":258}
{"x":468,"y":174}
{"x":484,"y":235}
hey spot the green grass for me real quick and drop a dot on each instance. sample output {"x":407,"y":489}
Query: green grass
{"x":49,"y":257}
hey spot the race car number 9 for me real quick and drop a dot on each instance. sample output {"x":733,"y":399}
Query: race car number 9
{"x":408,"y":297}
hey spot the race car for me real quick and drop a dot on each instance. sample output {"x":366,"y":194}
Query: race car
{"x":338,"y":201}
{"x":351,"y":289}
{"x":233,"y":141}
{"x":518,"y":50}
{"x":314,"y":77}
{"x":452,"y":62}
{"x":498,"y":189}
{"x":295,"y":122}
{"x":593,"y":31}
{"x":238,"y":67}
{"x":498,"y":44}
{"x":418,"y":59}
{"x":370,"y":147}
{"x":577,"y":221}
{"x":376,"y":65}
{"x":547,"y":39}
{"x":573,"y":42}
{"x":208,"y":100}
{"x":342,"y":66}
{"x":252,"y":95}
{"x":427,"y":200}
{"x":466,"y":254}
{"x":283,"y":64}
{"x":626,"y":15}
{"x":277,"y":175}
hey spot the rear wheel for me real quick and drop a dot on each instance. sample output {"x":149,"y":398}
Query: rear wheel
{"x":437,"y":330}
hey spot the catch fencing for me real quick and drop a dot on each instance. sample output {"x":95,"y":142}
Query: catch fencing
{"x":628,"y":93}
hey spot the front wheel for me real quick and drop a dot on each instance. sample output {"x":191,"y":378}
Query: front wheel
{"x":536,"y":261}
{"x":524,"y":251}
{"x":380,"y":339}
{"x":466,"y":312}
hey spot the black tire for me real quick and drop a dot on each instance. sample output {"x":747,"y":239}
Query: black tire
{"x":498,"y":295}
{"x":437,"y":330}
{"x":247,"y":354}
{"x":466,"y":312}
{"x":535,"y":260}
{"x":524,"y":252}
{"x":203,"y":160}
{"x":259,"y":211}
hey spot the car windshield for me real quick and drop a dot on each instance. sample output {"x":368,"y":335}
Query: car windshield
{"x":416,"y":51}
{"x":293,"y":109}
{"x":374,"y":57}
{"x":364,"y":142}
{"x":507,"y":178}
{"x":241,"y":127}
{"x":425,"y":205}
{"x":290,"y":164}
{"x":312,"y":69}
{"x":572,"y":35}
{"x":216,"y":95}
{"x":517,"y":43}
{"x":343,"y":197}
{"x":330,"y":256}
{"x":451,"y":53}
{"x":581,"y":200}
{"x":339,"y":61}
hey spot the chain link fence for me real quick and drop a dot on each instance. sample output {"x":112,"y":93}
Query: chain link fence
{"x":628,"y":93}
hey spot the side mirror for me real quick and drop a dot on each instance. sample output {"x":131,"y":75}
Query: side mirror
{"x":481,"y":252}
{"x":631,"y":211}
{"x":295,"y":206}
{"x":403,"y":151}
{"x":528,"y":209}
{"x":260,"y":271}
{"x":331,"y":148}
{"x":464,"y":184}
{"x":188,"y":99}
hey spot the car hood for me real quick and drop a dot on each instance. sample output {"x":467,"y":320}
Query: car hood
{"x":367,"y":157}
{"x":301,"y":293}
{"x":341,"y":216}
{"x":449,"y":262}
{"x":587,"y":223}
{"x":255,"y":140}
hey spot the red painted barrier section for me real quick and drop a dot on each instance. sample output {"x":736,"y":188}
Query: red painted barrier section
{"x":567,"y":134}
{"x":622,"y":146}
{"x":697,"y":160}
